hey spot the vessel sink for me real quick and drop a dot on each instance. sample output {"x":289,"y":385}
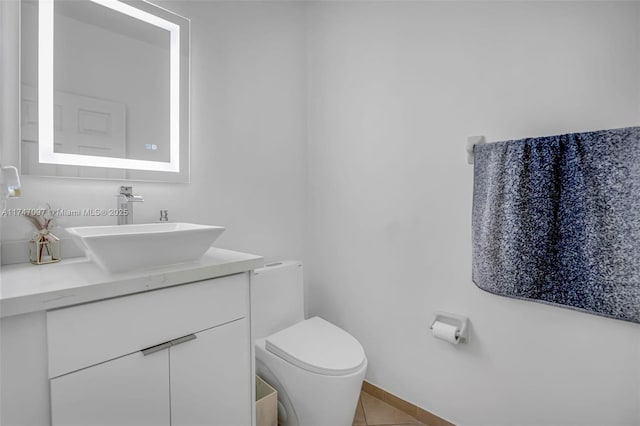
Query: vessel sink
{"x":120,"y":248}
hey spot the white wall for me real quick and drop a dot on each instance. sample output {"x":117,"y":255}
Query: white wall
{"x":638,"y":114}
{"x":247,"y":137}
{"x":9,"y":70}
{"x":394,"y":90}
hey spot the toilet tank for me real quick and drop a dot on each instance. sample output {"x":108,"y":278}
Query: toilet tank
{"x":277,"y":297}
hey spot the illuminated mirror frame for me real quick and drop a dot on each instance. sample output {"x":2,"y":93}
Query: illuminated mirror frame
{"x":46,"y":151}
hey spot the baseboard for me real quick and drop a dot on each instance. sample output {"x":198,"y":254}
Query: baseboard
{"x":406,"y":407}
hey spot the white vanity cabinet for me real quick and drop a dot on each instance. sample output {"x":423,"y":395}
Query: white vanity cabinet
{"x":175,"y":356}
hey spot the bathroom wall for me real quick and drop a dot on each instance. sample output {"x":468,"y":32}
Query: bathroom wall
{"x":395,"y":89}
{"x":638,"y":74}
{"x":8,"y":88}
{"x":247,"y":137}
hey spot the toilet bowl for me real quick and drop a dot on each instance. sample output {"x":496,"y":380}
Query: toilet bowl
{"x":316,"y":367}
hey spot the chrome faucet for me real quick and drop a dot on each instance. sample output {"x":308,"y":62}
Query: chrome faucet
{"x":125,"y":200}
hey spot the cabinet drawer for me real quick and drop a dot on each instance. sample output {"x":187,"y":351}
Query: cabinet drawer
{"x":88,"y":334}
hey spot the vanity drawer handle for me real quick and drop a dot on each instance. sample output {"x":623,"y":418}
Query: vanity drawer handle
{"x":156,"y":348}
{"x":153,"y":349}
{"x":182,"y":339}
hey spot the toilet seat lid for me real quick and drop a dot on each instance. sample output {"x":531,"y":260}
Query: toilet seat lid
{"x":318,"y":346}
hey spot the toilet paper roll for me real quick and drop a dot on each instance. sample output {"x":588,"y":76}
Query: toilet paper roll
{"x":445,"y":332}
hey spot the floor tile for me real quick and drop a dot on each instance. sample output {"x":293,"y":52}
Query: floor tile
{"x":377,"y":413}
{"x":359,"y":419}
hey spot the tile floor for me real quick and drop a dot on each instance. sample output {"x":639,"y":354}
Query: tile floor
{"x":372,"y":411}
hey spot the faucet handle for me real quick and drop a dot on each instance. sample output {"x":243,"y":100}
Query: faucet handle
{"x":127,"y":193}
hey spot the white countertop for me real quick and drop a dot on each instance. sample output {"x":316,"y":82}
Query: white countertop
{"x":29,"y":288}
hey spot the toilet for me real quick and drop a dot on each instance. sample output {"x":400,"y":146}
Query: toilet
{"x":316,"y":367}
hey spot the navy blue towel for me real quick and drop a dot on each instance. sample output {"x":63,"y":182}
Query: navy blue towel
{"x":557,"y":220}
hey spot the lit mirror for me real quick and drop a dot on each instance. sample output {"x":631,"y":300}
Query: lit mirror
{"x":105,"y":90}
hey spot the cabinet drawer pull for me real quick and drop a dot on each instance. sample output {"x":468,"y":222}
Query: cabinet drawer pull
{"x":157,"y":348}
{"x":182,"y":339}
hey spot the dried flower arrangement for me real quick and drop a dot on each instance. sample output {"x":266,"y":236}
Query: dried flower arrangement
{"x":44,"y":246}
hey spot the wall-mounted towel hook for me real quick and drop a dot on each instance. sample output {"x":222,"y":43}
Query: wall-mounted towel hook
{"x":471,"y":142}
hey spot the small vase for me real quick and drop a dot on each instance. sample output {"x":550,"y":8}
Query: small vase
{"x":44,"y":251}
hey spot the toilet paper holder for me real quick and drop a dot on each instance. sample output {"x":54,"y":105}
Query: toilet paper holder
{"x":455,"y":320}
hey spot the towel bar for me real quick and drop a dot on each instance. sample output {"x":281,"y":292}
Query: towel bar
{"x":471,"y":142}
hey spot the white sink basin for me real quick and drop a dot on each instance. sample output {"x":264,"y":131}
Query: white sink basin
{"x":121,"y":248}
